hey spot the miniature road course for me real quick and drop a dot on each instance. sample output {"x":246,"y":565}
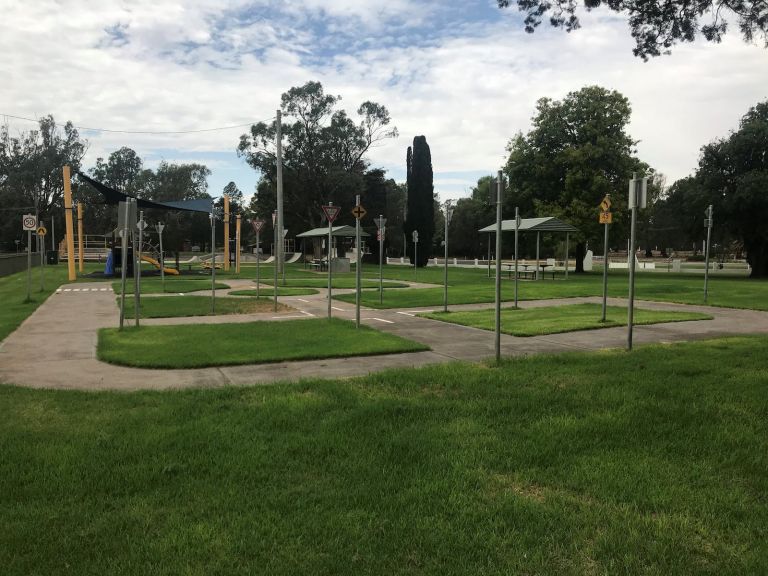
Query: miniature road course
{"x":56,"y":346}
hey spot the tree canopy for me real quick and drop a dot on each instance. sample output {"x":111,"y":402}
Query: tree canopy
{"x":421,"y":204}
{"x":323,"y":153}
{"x":657,"y":25}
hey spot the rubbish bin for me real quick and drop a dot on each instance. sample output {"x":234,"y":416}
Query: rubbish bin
{"x":52,"y":257}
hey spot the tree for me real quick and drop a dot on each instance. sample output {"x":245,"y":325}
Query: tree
{"x":421,"y":207}
{"x":470,"y":215}
{"x":31,"y":176}
{"x":656,"y":25}
{"x":733,"y":175}
{"x":577,"y":152}
{"x":323,"y":152}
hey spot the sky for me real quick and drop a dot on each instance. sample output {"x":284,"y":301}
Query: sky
{"x":461,"y":72}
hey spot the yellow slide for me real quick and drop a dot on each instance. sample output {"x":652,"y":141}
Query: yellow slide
{"x":156,"y":264}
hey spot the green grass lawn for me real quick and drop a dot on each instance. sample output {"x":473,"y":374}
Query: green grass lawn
{"x":472,"y":286}
{"x":556,"y":319}
{"x":342,"y":281}
{"x":172,"y":286}
{"x":177,"y":306}
{"x":654,"y":462}
{"x":196,"y":346}
{"x":270,"y":292}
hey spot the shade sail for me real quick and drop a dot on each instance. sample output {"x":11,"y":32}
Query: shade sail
{"x":112,"y":196}
{"x":549,"y":224}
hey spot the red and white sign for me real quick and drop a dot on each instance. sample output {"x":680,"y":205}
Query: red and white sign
{"x":331,"y":212}
{"x":257,"y":225}
{"x":29,"y":221}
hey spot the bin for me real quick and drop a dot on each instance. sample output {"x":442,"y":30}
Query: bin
{"x":52,"y":257}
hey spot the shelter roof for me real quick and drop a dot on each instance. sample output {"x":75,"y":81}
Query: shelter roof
{"x":344,"y":231}
{"x":548,"y":224}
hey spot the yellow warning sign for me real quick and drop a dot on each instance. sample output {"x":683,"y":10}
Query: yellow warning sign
{"x":41,"y":231}
{"x":606,"y":217}
{"x":605,"y":205}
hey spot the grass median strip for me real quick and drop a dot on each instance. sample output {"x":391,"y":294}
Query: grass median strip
{"x":343,"y":282}
{"x":269,"y":291}
{"x":556,"y":319}
{"x":201,"y":345}
{"x":172,"y":286}
{"x":178,"y":306}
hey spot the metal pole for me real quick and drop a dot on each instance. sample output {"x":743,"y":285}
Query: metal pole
{"x":141,"y":248}
{"x":162,"y":258}
{"x":274,"y":258}
{"x":605,"y":272}
{"x":448,"y":210}
{"x":415,"y":256}
{"x":706,"y":256}
{"x":566,"y":255}
{"x":136,"y":273}
{"x":29,"y":263}
{"x":258,"y":264}
{"x":489,"y":255}
{"x":330,"y":274}
{"x":213,"y":259}
{"x":499,"y":184}
{"x":53,"y":233}
{"x":630,"y":307}
{"x":124,"y":260}
{"x":517,"y":226}
{"x":381,"y":259}
{"x":41,"y":247}
{"x":538,"y":238}
{"x":357,"y":265}
{"x":279,"y":258}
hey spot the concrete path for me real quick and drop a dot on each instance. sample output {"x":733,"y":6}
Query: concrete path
{"x":56,"y":346}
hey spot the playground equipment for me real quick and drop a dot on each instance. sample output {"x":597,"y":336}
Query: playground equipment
{"x":156,"y":264}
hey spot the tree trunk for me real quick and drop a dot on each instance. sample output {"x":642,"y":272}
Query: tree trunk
{"x":757,"y":257}
{"x":580,"y":252}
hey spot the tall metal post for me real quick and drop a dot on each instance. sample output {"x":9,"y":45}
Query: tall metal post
{"x":706,"y":256}
{"x":499,"y":189}
{"x":238,"y":223}
{"x":415,"y":252}
{"x":357,"y":265}
{"x":567,"y":254}
{"x":634,"y":201}
{"x":279,"y":257}
{"x":225,"y":265}
{"x":538,"y":241}
{"x":29,"y":263}
{"x":160,"y":227}
{"x":123,"y":258}
{"x":605,"y":271}
{"x":274,"y":258}
{"x":41,"y":247}
{"x":258,"y":263}
{"x":71,"y":274}
{"x":380,"y":223}
{"x":517,"y":228}
{"x":53,"y":232}
{"x":136,"y":272}
{"x":213,"y":258}
{"x":141,"y":249}
{"x":80,"y":239}
{"x":330,"y":273}
{"x":489,"y":255}
{"x":448,"y":214}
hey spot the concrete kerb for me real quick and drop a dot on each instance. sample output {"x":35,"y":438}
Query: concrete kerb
{"x":66,"y":325}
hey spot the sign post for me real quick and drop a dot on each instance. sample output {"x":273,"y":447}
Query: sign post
{"x":358,"y":212}
{"x":415,"y":238}
{"x":257,"y":226}
{"x":141,"y":225}
{"x":708,"y":224}
{"x":606,"y":217}
{"x":160,"y":227}
{"x":29,"y":221}
{"x":213,"y":257}
{"x":275,"y":256}
{"x":448,"y":215}
{"x":136,"y":268}
{"x":499,"y":190}
{"x":41,"y":231}
{"x":381,"y":225}
{"x":124,"y":223}
{"x":330,"y":212}
{"x":637,"y":199}
{"x":517,"y":228}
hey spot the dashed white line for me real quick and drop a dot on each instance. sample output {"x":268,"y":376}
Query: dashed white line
{"x":75,"y":289}
{"x":302,"y":300}
{"x":380,"y":320}
{"x":281,"y":317}
{"x":67,"y":289}
{"x":337,"y":309}
{"x":406,"y":314}
{"x":102,"y":289}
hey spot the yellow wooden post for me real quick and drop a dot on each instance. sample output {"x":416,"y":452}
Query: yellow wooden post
{"x":237,"y":244}
{"x":80,"y":235}
{"x":68,"y":220}
{"x":226,"y":232}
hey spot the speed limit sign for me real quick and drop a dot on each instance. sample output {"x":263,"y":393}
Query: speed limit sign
{"x":29,"y":221}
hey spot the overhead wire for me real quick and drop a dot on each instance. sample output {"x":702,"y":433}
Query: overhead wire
{"x":148,"y":132}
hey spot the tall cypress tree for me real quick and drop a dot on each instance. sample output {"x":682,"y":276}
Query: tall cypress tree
{"x":421,"y":207}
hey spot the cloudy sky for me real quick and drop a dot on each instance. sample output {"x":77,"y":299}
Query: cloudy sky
{"x":461,"y":72}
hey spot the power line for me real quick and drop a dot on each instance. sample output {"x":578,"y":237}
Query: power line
{"x":151,"y":132}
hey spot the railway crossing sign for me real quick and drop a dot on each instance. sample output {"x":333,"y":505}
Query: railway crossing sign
{"x":257,"y":225}
{"x":358,"y":211}
{"x":41,"y":231}
{"x":331,"y":212}
{"x":29,"y":221}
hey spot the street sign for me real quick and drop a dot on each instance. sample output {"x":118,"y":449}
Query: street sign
{"x":159,"y":227}
{"x":358,"y":211}
{"x":380,"y":221}
{"x":606,"y":217}
{"x":274,"y":218}
{"x":415,"y":236}
{"x":331,"y":212}
{"x":638,"y":193}
{"x":257,"y":225}
{"x":41,"y":231}
{"x":141,"y":224}
{"x":29,"y":222}
{"x":605,"y":205}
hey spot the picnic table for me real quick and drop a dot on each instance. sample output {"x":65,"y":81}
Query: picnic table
{"x":318,"y":264}
{"x":527,"y":271}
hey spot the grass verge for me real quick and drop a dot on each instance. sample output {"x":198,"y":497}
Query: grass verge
{"x":556,"y":319}
{"x":172,"y":286}
{"x":268,"y":292}
{"x":343,"y":282}
{"x":178,"y":306}
{"x":196,"y":346}
{"x":652,"y":462}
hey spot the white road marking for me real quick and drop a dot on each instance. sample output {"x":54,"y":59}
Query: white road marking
{"x":104,"y":289}
{"x":281,"y":317}
{"x":337,"y":309}
{"x":380,"y":320}
{"x":307,"y":313}
{"x":307,"y":301}
{"x":182,"y":293}
{"x":70,"y":289}
{"x":406,"y":314}
{"x":58,"y":290}
{"x":75,"y":289}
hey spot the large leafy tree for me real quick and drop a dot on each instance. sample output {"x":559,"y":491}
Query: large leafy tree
{"x":657,"y":25}
{"x":421,"y":205}
{"x":733,"y":176}
{"x":470,"y":215}
{"x":577,"y":152}
{"x":323,"y":152}
{"x":31,"y":177}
